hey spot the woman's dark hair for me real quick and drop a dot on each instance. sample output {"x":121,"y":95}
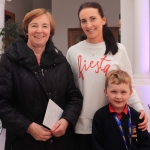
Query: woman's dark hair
{"x":111,"y":44}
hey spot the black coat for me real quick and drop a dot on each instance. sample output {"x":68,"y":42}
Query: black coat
{"x":106,"y":134}
{"x":26,"y":87}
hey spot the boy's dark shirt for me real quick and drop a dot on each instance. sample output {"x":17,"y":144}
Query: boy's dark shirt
{"x":106,"y":134}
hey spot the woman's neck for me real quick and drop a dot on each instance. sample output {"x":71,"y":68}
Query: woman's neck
{"x":38,"y":58}
{"x":38,"y":54}
{"x":94,"y":41}
{"x":38,"y":50}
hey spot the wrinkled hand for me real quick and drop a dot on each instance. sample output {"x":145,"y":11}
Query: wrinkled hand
{"x":39,"y":132}
{"x":60,"y":127}
{"x":144,"y":124}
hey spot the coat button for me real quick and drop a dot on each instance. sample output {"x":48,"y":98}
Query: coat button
{"x":51,"y":141}
{"x":49,"y":94}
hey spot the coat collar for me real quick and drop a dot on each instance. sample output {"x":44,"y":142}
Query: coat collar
{"x":20,"y":52}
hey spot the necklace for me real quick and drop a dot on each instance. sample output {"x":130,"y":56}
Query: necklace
{"x":93,"y":54}
{"x":95,"y":51}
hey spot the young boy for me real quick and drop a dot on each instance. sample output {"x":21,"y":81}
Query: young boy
{"x":115,"y":126}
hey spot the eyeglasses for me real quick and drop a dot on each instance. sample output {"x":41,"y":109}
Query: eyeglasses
{"x":1,"y":127}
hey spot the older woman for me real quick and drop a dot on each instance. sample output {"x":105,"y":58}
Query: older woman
{"x":32,"y":71}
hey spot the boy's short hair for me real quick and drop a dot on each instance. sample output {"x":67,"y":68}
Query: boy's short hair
{"x":118,"y":77}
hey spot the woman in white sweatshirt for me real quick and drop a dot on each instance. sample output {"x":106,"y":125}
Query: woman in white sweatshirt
{"x":90,"y":61}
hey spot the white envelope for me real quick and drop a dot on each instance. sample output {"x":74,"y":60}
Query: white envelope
{"x":52,"y":115}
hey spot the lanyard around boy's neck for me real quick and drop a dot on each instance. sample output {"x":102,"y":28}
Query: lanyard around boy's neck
{"x":121,"y":129}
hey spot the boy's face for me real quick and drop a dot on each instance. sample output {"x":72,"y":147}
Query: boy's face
{"x":118,"y":95}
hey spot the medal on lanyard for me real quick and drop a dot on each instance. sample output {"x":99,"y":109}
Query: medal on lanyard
{"x":121,"y":129}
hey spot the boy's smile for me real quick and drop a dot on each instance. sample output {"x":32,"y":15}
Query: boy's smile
{"x":118,"y":95}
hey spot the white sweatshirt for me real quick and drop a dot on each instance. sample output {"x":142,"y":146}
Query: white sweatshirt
{"x":89,"y":66}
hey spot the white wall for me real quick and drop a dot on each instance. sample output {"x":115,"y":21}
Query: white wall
{"x":42,"y":4}
{"x":65,"y":16}
{"x":128,"y":38}
{"x":19,"y":7}
{"x":127,"y":27}
{"x":2,"y":139}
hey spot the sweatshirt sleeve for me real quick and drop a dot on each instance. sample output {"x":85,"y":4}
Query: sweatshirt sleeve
{"x":68,"y":56}
{"x":134,"y":100}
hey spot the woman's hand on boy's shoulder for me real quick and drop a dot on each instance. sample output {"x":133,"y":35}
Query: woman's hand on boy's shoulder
{"x":144,"y":124}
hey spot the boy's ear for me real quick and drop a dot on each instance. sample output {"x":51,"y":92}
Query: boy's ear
{"x":131,"y":92}
{"x":105,"y":91}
